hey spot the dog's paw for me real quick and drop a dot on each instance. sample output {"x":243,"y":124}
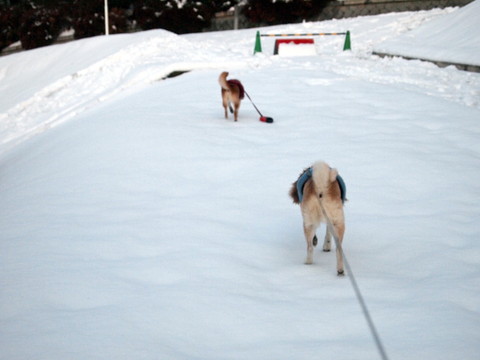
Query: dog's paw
{"x":326,"y":250}
{"x":340,"y":272}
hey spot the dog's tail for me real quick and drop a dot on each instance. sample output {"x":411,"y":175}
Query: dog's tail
{"x":322,"y":177}
{"x":294,"y":194}
{"x":328,"y":182}
{"x":222,"y":80}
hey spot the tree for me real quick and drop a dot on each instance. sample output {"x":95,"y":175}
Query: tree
{"x":39,"y":26}
{"x":186,"y":17}
{"x":273,"y":12}
{"x":9,"y":25}
{"x":88,"y":19}
{"x":224,"y":5}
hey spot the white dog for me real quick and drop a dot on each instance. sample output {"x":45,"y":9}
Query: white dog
{"x":320,"y":191}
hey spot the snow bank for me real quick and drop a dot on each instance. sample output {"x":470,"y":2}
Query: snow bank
{"x":453,"y":37}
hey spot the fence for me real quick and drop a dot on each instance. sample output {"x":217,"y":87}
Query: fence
{"x":258,"y":45}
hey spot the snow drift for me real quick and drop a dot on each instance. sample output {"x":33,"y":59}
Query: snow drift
{"x":453,"y":38}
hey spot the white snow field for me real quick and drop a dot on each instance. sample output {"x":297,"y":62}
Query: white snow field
{"x":137,"y":223}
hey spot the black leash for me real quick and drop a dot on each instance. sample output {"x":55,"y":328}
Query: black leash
{"x":262,"y":118}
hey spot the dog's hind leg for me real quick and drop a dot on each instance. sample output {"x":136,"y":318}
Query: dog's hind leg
{"x":327,"y":243}
{"x":309,"y":232}
{"x":225,"y":104}
{"x":235,"y":113}
{"x":340,"y":230}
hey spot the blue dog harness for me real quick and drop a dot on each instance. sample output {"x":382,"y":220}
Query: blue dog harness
{"x":308,"y":174}
{"x":343,"y":188}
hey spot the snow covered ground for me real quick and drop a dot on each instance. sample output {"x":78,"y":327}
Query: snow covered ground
{"x":137,"y":223}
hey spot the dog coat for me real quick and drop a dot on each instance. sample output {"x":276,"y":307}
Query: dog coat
{"x":308,"y":174}
{"x":239,"y":85}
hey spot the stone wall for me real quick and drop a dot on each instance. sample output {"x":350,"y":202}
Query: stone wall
{"x":350,"y":8}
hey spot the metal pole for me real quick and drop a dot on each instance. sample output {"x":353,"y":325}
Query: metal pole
{"x":304,"y":34}
{"x":235,"y":18}
{"x":106,"y":18}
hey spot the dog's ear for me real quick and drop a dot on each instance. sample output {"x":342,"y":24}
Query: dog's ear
{"x":333,"y":175}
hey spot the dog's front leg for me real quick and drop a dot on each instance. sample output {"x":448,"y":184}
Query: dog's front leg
{"x":309,"y":232}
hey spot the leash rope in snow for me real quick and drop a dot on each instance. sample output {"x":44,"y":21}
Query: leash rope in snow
{"x":249,"y":98}
{"x":363,"y":305}
{"x":266,"y":119}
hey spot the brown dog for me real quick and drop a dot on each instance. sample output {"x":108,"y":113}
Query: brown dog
{"x":232,"y":94}
{"x":320,"y":191}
